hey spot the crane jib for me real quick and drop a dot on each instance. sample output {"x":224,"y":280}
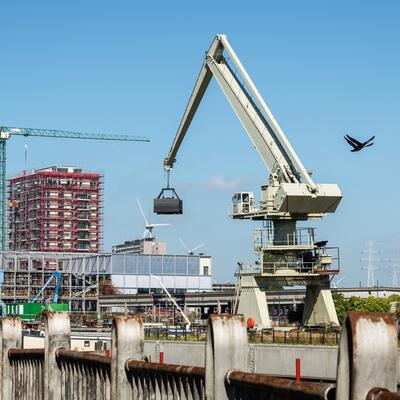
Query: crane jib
{"x":52,"y":133}
{"x":290,"y":190}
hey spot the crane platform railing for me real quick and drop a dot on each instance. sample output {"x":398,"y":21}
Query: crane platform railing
{"x":299,"y":237}
{"x":295,"y":267}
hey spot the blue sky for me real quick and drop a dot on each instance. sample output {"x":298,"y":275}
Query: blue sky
{"x":324,"y":69}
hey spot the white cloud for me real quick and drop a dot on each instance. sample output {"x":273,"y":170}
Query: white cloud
{"x":219,"y":182}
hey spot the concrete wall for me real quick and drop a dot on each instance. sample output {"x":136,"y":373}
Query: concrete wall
{"x":184,"y":353}
{"x":79,"y":344}
{"x":316,"y":361}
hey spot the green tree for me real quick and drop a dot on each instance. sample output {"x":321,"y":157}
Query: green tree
{"x":355,"y":303}
{"x":340,"y":305}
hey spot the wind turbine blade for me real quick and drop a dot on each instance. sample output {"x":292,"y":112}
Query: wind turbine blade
{"x":197,"y":247}
{"x":153,"y":225}
{"x":339,"y":280}
{"x":184,"y":245}
{"x":141,"y":210}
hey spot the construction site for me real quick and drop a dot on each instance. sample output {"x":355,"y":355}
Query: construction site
{"x":55,"y":209}
{"x":54,"y":230}
{"x":52,"y":251}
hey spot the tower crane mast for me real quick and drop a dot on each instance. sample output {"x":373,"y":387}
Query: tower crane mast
{"x":6,"y":132}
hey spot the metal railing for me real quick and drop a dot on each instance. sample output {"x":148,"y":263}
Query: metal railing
{"x":300,"y":237}
{"x":316,"y":336}
{"x":367,"y":366}
{"x":323,"y":261}
{"x":154,"y":381}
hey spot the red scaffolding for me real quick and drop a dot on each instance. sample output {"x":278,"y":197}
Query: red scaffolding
{"x":55,"y":210}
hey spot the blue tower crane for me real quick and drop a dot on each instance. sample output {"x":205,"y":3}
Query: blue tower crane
{"x":6,"y":132}
{"x":57,"y":276}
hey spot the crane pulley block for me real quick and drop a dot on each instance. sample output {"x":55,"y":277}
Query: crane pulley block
{"x":168,"y":202}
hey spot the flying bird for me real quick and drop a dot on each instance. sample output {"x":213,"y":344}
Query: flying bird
{"x":357,"y":146}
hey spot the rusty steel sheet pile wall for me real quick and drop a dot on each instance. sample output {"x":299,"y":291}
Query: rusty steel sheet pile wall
{"x":84,"y":376}
{"x":367,"y":366}
{"x":27,"y":373}
{"x":155,"y":381}
{"x":244,"y":385}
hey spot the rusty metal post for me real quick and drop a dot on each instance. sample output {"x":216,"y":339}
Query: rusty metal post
{"x":367,"y":355}
{"x":127,"y":342}
{"x":57,"y":334}
{"x":11,"y":337}
{"x":226,"y":349}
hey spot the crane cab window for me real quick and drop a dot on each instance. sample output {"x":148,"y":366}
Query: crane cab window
{"x":243,"y":203}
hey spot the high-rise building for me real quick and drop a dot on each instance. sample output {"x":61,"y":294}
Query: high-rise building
{"x":55,"y":209}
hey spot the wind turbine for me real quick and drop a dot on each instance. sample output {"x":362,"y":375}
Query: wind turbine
{"x":148,"y":228}
{"x":335,"y":284}
{"x":190,"y":251}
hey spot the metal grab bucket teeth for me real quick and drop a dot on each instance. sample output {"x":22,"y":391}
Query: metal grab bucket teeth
{"x":168,"y":202}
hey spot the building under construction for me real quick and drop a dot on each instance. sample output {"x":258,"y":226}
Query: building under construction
{"x":85,"y":278}
{"x":55,"y":209}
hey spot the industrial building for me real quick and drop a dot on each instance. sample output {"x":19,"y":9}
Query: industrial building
{"x":55,"y":209}
{"x":88,"y":277}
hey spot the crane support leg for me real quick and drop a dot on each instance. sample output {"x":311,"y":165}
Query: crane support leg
{"x":319,"y":308}
{"x":253,"y":302}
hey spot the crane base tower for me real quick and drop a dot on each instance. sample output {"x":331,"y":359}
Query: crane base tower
{"x":296,"y":260}
{"x":319,"y":309}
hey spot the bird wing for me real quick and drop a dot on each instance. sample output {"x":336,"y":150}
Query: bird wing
{"x":369,"y":140}
{"x":355,"y":141}
{"x":367,"y":145}
{"x":351,"y":143}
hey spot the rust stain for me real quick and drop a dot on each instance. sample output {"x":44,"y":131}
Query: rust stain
{"x":280,"y":386}
{"x":134,"y":366}
{"x":353,"y":318}
{"x":381,"y":394}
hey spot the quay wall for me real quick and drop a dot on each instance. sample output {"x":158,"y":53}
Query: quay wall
{"x":317,"y":362}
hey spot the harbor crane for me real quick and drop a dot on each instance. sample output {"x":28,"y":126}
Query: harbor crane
{"x":288,"y":255}
{"x":6,"y":132}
